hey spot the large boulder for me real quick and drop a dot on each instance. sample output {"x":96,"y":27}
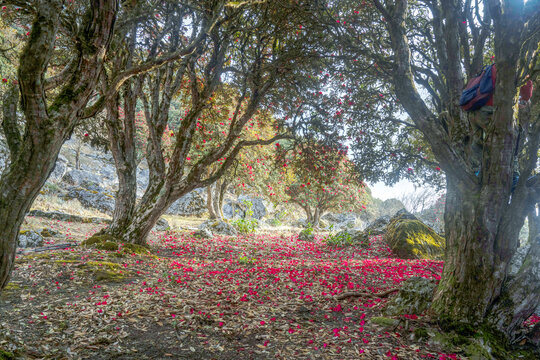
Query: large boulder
{"x":341,"y":221}
{"x":161,"y":225}
{"x":237,"y":208}
{"x":378,"y":226}
{"x":409,"y":238}
{"x":218,"y":227}
{"x":30,"y":239}
{"x":193,"y":203}
{"x":93,"y":196}
{"x":77,"y":177}
{"x":60,"y":169}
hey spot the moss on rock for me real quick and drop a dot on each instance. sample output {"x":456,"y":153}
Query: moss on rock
{"x":412,"y":239}
{"x":110,"y":243}
{"x":384,"y":321}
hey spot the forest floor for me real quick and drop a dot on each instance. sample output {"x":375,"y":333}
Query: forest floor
{"x":261,"y":296}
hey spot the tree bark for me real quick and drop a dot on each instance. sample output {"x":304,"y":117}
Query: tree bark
{"x":483,"y":217}
{"x":534,"y":224}
{"x":210,"y":203}
{"x":222,"y":192}
{"x":122,"y":145}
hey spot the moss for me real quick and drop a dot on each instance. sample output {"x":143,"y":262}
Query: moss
{"x":98,"y":239}
{"x":46,"y":233}
{"x":110,"y":243}
{"x":11,"y":286}
{"x":384,"y":321}
{"x":135,"y":249}
{"x":420,"y":333}
{"x":412,"y":239}
{"x":6,"y":355}
{"x":107,"y":275}
{"x":479,"y":342}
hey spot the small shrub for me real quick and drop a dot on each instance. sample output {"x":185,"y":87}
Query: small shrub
{"x":245,"y":260}
{"x":341,"y":239}
{"x":246,"y":225}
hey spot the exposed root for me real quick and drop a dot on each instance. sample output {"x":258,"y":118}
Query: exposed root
{"x":382,"y":294}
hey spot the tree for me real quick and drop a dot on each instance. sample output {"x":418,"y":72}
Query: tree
{"x":248,"y":46}
{"x":435,"y":45}
{"x":51,"y":105}
{"x":319,"y":178}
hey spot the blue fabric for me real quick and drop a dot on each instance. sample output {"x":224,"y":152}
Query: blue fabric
{"x":486,"y":83}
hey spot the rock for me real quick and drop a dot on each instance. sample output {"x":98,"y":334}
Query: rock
{"x":60,"y":169}
{"x":409,"y":238}
{"x":384,"y":321}
{"x":91,"y":195}
{"x":378,"y":226}
{"x":306,"y":235}
{"x":341,"y":221}
{"x":56,"y":215}
{"x":47,"y":233}
{"x":30,"y":239}
{"x":77,"y":177}
{"x":203,"y":234}
{"x":414,"y":297}
{"x":161,"y":225}
{"x":219,"y":227}
{"x":193,"y":203}
{"x":237,"y":208}
{"x":356,"y":236}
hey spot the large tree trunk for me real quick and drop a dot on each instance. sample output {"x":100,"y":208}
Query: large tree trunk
{"x":122,"y":144}
{"x":49,"y":122}
{"x":146,"y":214}
{"x":19,"y":186}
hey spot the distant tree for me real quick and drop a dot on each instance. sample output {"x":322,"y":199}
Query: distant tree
{"x":319,"y":179}
{"x":419,"y":199}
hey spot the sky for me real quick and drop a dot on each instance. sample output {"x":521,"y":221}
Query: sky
{"x":383,"y":192}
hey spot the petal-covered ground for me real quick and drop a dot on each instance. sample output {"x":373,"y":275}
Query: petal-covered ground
{"x":256,"y":297}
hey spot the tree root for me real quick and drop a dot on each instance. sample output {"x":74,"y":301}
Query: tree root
{"x":382,"y":294}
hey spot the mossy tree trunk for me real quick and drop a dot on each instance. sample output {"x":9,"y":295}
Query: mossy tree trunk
{"x":483,"y":216}
{"x":48,"y":121}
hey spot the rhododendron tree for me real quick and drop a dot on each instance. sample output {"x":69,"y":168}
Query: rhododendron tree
{"x":437,"y":46}
{"x":248,"y":47}
{"x":323,"y":179}
{"x":51,"y":105}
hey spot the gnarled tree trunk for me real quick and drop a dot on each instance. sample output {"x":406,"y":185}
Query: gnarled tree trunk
{"x":33,"y":155}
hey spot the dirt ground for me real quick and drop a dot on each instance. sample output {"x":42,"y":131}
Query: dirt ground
{"x":263,"y":296}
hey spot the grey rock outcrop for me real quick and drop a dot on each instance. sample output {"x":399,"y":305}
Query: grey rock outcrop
{"x":93,"y":196}
{"x":60,"y":169}
{"x":161,"y":225}
{"x":30,"y":239}
{"x":218,"y":227}
{"x":237,"y":208}
{"x":193,"y":203}
{"x":77,"y":177}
